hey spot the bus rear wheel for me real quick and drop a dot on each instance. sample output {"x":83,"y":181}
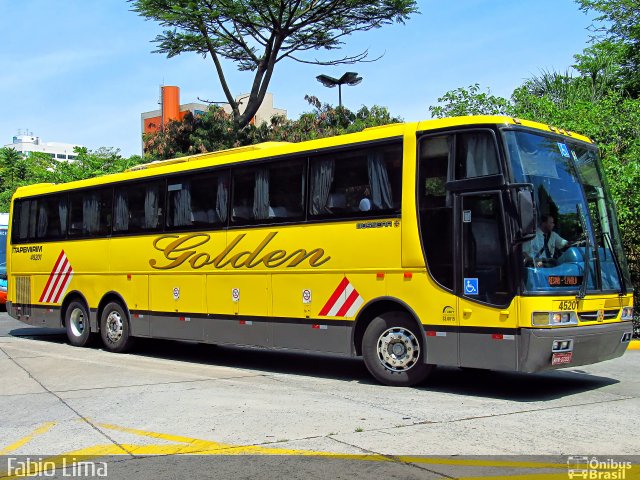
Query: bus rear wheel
{"x":114,"y":328}
{"x":76,"y":321}
{"x":393,"y":351}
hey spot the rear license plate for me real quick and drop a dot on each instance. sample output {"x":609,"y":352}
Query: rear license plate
{"x":561,"y":358}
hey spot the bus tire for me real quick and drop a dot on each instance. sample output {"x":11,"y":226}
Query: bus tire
{"x":114,"y":328}
{"x":76,"y":322}
{"x":393,"y":350}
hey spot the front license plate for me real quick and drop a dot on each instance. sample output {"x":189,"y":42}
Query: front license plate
{"x":561,"y":358}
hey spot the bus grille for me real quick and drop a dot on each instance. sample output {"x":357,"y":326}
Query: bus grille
{"x":23,"y":294}
{"x":591,"y":316}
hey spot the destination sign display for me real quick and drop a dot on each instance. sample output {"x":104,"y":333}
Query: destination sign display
{"x":564,"y":280}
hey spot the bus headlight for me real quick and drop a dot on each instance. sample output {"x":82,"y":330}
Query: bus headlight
{"x":627,"y":313}
{"x":554,"y":318}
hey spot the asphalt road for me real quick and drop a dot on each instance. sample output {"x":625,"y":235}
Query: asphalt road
{"x":300,"y":416}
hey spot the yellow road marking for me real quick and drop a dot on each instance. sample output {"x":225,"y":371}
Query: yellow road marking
{"x":24,"y":440}
{"x":181,"y":445}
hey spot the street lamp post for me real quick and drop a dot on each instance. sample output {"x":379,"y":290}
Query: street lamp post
{"x":349,"y":78}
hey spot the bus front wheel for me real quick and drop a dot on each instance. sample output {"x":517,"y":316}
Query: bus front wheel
{"x":393,"y":351}
{"x":114,"y":328}
{"x":76,"y":321}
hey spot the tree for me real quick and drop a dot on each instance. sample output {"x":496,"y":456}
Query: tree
{"x":257,"y":34}
{"x":215,"y":130}
{"x":619,"y":24}
{"x":17,"y":169}
{"x":468,"y":101}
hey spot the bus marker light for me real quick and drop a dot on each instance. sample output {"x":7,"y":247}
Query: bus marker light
{"x":432,"y":333}
{"x":380,"y":275}
{"x":497,"y":336}
{"x":245,"y":322}
{"x":185,"y":319}
{"x":128,"y":276}
{"x":408,"y":275}
{"x":319,"y":327}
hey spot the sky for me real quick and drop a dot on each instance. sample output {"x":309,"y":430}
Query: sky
{"x":82,"y":71}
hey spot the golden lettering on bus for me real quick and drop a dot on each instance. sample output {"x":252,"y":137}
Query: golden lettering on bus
{"x":178,"y":250}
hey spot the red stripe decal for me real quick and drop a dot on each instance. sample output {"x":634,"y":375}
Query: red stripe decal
{"x":347,"y":305}
{"x":57,"y":280}
{"x":334,"y":297}
{"x":55,"y":267}
{"x":64,"y":284}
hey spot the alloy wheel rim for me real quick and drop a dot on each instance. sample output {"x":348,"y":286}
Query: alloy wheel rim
{"x":114,"y":326}
{"x":398,"y":349}
{"x":77,"y":320}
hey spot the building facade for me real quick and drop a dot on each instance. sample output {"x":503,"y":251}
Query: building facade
{"x":26,"y":143}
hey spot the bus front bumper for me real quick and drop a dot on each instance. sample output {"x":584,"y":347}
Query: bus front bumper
{"x":588,"y":344}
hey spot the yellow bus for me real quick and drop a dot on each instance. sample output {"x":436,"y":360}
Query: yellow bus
{"x":482,"y":242}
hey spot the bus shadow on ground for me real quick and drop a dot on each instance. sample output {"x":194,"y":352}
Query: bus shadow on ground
{"x":512,"y":386}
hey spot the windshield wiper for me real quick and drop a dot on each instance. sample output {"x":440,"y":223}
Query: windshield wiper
{"x":587,"y":253}
{"x":616,"y":262}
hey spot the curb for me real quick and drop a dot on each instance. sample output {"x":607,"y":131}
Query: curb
{"x":634,"y":345}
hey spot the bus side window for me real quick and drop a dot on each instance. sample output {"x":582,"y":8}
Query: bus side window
{"x":51,"y":217}
{"x":20,"y":230}
{"x":436,"y":212}
{"x":197,"y":200}
{"x":269,"y":192}
{"x":138,"y":207}
{"x":361,"y":182}
{"x":476,"y":155}
{"x":90,"y":213}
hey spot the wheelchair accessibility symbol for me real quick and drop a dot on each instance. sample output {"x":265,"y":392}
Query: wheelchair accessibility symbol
{"x":471,"y":286}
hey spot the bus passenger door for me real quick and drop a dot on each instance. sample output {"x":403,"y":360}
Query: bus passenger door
{"x":487,"y":321}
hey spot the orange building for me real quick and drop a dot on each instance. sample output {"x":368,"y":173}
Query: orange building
{"x":171,"y":109}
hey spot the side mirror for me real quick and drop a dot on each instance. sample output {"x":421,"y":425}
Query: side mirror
{"x":526,"y":215}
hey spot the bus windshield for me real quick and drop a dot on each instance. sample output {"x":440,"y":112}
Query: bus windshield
{"x":576,"y":220}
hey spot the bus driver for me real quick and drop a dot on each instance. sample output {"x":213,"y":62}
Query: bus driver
{"x":541,"y":250}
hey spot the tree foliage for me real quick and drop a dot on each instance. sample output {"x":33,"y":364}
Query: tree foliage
{"x":257,"y":34}
{"x":618,"y":24}
{"x":470,"y":101}
{"x":215,"y":129}
{"x":17,"y":170}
